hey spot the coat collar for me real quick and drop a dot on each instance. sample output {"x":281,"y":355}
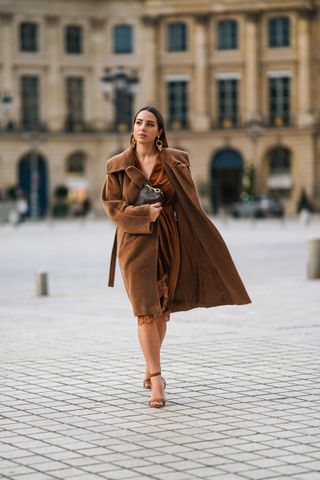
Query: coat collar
{"x":125,"y":161}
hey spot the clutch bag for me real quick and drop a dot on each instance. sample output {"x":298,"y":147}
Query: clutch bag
{"x":149,"y":194}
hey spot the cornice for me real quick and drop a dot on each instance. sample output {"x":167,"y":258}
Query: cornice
{"x":204,"y":7}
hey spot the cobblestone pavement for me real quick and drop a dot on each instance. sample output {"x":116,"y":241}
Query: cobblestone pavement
{"x":243,"y":389}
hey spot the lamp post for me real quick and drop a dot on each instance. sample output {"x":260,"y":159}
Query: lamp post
{"x":119,"y":86}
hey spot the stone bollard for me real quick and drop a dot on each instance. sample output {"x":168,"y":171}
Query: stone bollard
{"x":42,"y":284}
{"x":313,"y":267}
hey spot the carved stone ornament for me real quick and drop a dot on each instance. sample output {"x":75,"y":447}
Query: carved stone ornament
{"x":6,"y":17}
{"x":97,"y":23}
{"x":150,"y":21}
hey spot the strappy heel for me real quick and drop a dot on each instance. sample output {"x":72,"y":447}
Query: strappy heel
{"x":161,"y":401}
{"x":148,"y":386}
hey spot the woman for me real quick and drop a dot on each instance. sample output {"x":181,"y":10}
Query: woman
{"x":172,"y":258}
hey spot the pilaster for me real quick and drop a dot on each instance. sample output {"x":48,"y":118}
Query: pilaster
{"x":148,"y":84}
{"x":305,"y":117}
{"x":199,"y":116}
{"x":99,"y":117}
{"x":6,"y":24}
{"x":252,"y":110}
{"x":54,"y":100}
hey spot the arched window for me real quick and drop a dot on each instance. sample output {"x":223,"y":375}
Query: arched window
{"x":76,"y":164}
{"x":280,"y":161}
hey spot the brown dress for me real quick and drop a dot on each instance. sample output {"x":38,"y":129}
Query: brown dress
{"x":168,"y":261}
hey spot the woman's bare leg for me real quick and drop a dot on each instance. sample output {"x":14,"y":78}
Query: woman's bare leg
{"x":150,"y":344}
{"x":162,"y":328}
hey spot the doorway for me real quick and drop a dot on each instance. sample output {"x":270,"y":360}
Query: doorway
{"x":32,"y":180}
{"x":226,"y":178}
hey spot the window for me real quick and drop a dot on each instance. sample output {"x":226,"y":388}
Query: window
{"x":28,"y":37}
{"x":73,"y":39}
{"x":177,"y":37}
{"x":279,"y":101}
{"x":29,"y":91}
{"x":280,"y":161}
{"x":227,"y":33}
{"x":177,"y":103}
{"x":279,"y":32}
{"x":75,"y":116}
{"x":227,"y":102}
{"x":122,"y":39}
{"x":76,"y":164}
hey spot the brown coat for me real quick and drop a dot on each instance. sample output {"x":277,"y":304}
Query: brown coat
{"x":207,"y":276}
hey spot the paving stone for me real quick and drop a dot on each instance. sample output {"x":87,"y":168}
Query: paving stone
{"x":243,"y":385}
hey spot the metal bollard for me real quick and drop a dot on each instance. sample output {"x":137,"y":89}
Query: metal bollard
{"x":313,"y":267}
{"x":42,"y":284}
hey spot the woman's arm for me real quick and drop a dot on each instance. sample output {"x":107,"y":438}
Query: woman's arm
{"x":132,"y":219}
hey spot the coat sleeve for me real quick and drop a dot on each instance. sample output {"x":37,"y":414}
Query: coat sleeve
{"x":131,"y":218}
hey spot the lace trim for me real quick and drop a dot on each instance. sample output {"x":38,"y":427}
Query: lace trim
{"x":164,"y":299}
{"x":148,"y":319}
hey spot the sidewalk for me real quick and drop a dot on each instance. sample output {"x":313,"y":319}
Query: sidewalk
{"x":243,"y":389}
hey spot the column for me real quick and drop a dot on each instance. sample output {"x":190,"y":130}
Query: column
{"x":149,"y":85}
{"x":199,"y":116}
{"x":6,"y":58}
{"x":252,"y":110}
{"x":303,"y":84}
{"x":100,"y":110}
{"x":54,"y":92}
{"x":6,"y":51}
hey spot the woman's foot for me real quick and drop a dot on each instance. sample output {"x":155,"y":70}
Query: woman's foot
{"x":157,"y":399}
{"x":147,"y":380}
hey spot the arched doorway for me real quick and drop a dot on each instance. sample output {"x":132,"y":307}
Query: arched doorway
{"x":226,"y":178}
{"x":33,"y":181}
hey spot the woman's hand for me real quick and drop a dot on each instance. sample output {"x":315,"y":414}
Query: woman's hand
{"x":155,"y":210}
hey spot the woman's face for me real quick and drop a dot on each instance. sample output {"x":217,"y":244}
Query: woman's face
{"x":145,"y":129}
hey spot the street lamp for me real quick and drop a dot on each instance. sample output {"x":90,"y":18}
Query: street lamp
{"x":119,"y":86}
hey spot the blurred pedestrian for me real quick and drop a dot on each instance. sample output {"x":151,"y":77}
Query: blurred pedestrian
{"x":172,"y":258}
{"x":22,"y":206}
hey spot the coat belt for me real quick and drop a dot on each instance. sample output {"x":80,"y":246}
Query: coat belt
{"x":112,"y":269}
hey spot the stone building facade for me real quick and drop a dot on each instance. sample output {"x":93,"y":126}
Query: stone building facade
{"x":237,"y":80}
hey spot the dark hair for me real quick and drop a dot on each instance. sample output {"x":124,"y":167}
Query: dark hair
{"x":160,"y":123}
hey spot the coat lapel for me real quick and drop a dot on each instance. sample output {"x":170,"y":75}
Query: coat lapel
{"x":125,"y":161}
{"x":180,"y":176}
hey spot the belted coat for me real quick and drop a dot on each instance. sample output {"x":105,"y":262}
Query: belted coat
{"x":207,"y":277}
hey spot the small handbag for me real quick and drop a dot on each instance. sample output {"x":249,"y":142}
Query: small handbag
{"x":149,"y":194}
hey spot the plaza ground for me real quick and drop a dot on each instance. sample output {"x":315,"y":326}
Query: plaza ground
{"x":243,"y":389}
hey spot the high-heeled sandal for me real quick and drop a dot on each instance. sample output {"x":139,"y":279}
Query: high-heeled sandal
{"x":147,"y":383}
{"x":161,"y":401}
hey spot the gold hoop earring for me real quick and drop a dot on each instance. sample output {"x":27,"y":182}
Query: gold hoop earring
{"x":159,"y":144}
{"x":133,"y":142}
